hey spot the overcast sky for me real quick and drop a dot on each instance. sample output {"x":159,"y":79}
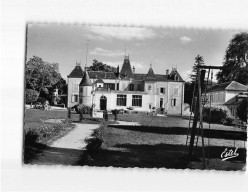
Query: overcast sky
{"x":164,"y":48}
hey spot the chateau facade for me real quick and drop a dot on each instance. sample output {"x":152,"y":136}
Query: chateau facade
{"x":124,"y":89}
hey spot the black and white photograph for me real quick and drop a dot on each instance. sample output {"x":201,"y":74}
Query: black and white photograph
{"x":142,"y":97}
{"x":124,"y":95}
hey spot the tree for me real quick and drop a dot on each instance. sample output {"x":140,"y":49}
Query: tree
{"x":189,"y":86}
{"x":40,"y":75}
{"x":31,"y":96}
{"x":235,"y":65}
{"x":198,"y":60}
{"x":99,"y":66}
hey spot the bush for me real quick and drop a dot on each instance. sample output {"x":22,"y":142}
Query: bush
{"x":31,"y":95}
{"x":242,"y":110}
{"x":41,"y":100}
{"x":93,"y":144}
{"x":30,"y":137}
{"x":219,"y":114}
{"x":84,"y":109}
{"x":46,"y":133}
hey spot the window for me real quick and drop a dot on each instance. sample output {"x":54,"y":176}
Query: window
{"x":173,"y":102}
{"x":117,"y":86}
{"x":137,"y":100}
{"x":75,"y":86}
{"x":150,"y":106}
{"x":162,"y":90}
{"x":81,"y":90}
{"x":109,"y":86}
{"x":176,"y":91}
{"x":149,"y":87}
{"x":76,"y":98}
{"x":81,"y":100}
{"x":100,"y":85}
{"x":131,"y":87}
{"x":121,"y":100}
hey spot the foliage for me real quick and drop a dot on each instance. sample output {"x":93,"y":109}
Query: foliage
{"x":189,"y":86}
{"x":39,"y":74}
{"x":84,"y":109}
{"x":198,"y":61}
{"x":41,"y":100}
{"x":99,"y":66}
{"x":31,"y":95}
{"x":46,"y":133}
{"x":242,"y":110}
{"x":219,"y":114}
{"x":31,"y":136}
{"x":236,"y":60}
{"x":94,"y":142}
{"x":61,"y":86}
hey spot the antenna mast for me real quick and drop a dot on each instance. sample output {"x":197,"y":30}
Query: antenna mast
{"x":86,"y":53}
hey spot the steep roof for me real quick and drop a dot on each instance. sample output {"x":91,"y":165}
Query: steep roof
{"x":77,"y":72}
{"x":86,"y":80}
{"x":126,"y":70}
{"x":150,"y":74}
{"x":231,"y":85}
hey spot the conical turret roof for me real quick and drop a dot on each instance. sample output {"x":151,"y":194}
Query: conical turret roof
{"x":126,"y":70}
{"x":77,"y":72}
{"x":86,"y":80}
{"x":150,"y":74}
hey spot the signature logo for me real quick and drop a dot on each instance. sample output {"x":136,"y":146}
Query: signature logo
{"x":227,"y":154}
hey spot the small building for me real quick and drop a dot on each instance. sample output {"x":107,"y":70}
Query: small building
{"x":223,"y":92}
{"x":127,"y":89}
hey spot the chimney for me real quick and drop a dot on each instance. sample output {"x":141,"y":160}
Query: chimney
{"x":133,"y":69}
{"x":167,"y":72}
{"x":118,"y":69}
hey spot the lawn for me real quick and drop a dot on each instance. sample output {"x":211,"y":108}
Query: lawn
{"x":160,"y":142}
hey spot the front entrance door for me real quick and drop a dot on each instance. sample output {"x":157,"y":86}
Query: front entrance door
{"x":161,"y":105}
{"x":103,"y":103}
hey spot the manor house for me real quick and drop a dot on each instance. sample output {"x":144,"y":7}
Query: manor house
{"x":127,"y":89}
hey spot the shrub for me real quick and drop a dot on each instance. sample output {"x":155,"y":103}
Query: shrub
{"x":46,"y":133}
{"x":242,"y":110}
{"x":219,"y":114}
{"x":31,"y":95}
{"x":93,"y":144}
{"x":41,"y":100}
{"x":83,"y":108}
{"x":30,"y":137}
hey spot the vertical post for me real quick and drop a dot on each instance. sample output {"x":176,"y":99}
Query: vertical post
{"x":200,"y":116}
{"x":196,"y":115}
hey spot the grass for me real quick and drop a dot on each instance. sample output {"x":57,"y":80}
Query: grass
{"x":158,"y":142}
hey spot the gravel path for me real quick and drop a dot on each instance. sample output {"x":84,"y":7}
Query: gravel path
{"x":75,"y":139}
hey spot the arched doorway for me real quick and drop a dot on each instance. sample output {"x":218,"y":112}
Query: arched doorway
{"x":103,"y":103}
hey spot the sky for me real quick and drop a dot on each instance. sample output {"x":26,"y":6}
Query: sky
{"x":161,"y":47}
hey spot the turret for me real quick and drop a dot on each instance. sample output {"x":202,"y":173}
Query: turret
{"x":85,"y":90}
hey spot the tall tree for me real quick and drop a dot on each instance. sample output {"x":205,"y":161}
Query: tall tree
{"x":99,"y":66}
{"x":235,"y":65}
{"x":40,"y":75}
{"x":189,"y":86}
{"x":198,"y":60}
